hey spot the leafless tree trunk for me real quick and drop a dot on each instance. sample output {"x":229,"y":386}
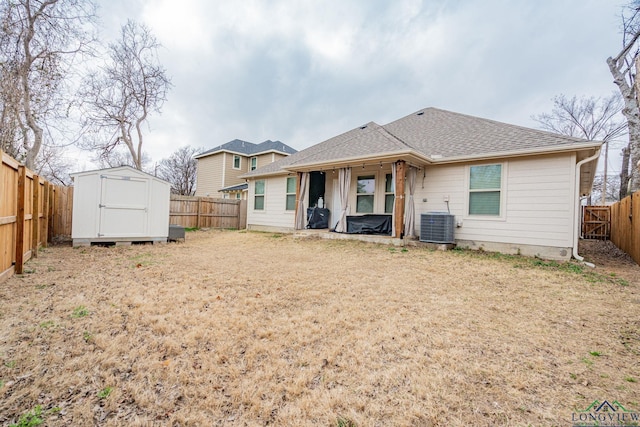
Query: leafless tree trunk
{"x":39,"y":40}
{"x":120,"y":97}
{"x":623,"y":69}
{"x":624,"y":173}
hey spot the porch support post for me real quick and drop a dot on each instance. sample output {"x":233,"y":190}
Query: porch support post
{"x":298,"y":182}
{"x":398,"y":206}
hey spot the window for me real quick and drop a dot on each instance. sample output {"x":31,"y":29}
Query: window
{"x":364,"y":197}
{"x":389,"y":195}
{"x":238,"y":196}
{"x":485,"y":184}
{"x":291,"y":193}
{"x":236,"y":162}
{"x":254,"y":163}
{"x":259,"y":195}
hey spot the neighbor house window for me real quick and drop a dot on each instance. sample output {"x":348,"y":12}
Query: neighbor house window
{"x":485,"y":186}
{"x":364,"y":197}
{"x":254,"y":163}
{"x":291,"y":193}
{"x":388,"y":193}
{"x":259,"y":195}
{"x":238,"y":196}
{"x":236,"y":162}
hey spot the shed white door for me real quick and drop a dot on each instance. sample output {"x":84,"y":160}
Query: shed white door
{"x":124,"y":206}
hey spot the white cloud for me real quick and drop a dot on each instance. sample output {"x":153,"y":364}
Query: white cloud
{"x":305,"y":71}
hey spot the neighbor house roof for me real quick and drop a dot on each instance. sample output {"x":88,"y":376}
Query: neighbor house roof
{"x":245,"y":148}
{"x":429,"y":136}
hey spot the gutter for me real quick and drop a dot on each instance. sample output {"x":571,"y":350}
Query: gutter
{"x":576,"y":211}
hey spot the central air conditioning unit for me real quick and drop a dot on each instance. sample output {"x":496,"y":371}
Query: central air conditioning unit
{"x":437,"y":227}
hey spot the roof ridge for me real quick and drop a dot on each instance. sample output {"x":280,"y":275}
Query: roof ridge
{"x":393,"y":137}
{"x":329,"y":147}
{"x":499,"y":123}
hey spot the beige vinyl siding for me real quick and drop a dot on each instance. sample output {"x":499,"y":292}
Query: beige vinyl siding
{"x":263,"y":159}
{"x":538,"y":198}
{"x":209,"y":175}
{"x":274,"y":214}
{"x":231,"y":175}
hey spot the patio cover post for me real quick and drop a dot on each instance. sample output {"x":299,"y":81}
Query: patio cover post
{"x":398,"y":206}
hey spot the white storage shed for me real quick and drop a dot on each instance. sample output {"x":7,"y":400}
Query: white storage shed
{"x":119,"y":205}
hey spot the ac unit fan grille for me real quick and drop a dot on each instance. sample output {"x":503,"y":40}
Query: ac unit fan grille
{"x":437,"y":228}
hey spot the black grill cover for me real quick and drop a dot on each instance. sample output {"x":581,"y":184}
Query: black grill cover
{"x":317,"y":218}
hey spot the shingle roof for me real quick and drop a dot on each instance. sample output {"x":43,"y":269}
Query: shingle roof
{"x":236,"y":187}
{"x":429,"y":133}
{"x":435,"y":132}
{"x":249,"y":148}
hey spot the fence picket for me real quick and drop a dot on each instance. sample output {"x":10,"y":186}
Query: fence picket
{"x":625,"y":225}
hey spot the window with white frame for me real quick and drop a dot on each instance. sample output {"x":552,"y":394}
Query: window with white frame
{"x":291,"y":194}
{"x":364,"y":193}
{"x":238,"y":196}
{"x":259,"y":195}
{"x":236,"y":162}
{"x":485,"y":189}
{"x":389,"y":193}
{"x":254,"y":163}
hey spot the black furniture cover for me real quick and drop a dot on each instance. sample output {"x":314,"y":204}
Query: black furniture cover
{"x":369,"y":224}
{"x":317,"y":218}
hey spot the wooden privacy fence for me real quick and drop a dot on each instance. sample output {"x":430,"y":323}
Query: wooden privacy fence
{"x":27,"y":215}
{"x":625,"y":225}
{"x":203,"y":212}
{"x":596,"y":222}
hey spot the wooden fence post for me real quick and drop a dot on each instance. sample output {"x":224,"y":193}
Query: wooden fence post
{"x":22,"y":178}
{"x":47,"y":210}
{"x":35,"y":216}
{"x":199,"y":212}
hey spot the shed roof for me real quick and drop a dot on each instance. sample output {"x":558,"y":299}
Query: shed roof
{"x":115,"y":170}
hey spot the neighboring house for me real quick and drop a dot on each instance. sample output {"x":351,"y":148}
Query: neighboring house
{"x":509,"y":188}
{"x":219,"y":169}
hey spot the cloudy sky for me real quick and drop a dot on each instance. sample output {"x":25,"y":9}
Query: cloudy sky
{"x":304,"y":71}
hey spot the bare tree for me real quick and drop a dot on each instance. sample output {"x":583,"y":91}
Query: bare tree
{"x":624,"y":68}
{"x":121,"y":95}
{"x":120,"y":156}
{"x":180,"y":170}
{"x":611,"y":187}
{"x":53,"y":165}
{"x":39,"y":42}
{"x":590,"y":118}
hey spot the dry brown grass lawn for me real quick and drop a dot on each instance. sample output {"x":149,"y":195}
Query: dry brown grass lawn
{"x":240,"y":328}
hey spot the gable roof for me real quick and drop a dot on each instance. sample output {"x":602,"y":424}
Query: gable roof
{"x":245,"y":148}
{"x":429,"y":136}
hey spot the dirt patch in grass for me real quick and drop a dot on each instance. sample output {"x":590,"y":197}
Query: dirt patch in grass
{"x":609,"y":259}
{"x":239,"y":328}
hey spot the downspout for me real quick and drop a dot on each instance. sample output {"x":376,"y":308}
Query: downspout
{"x":576,"y":213}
